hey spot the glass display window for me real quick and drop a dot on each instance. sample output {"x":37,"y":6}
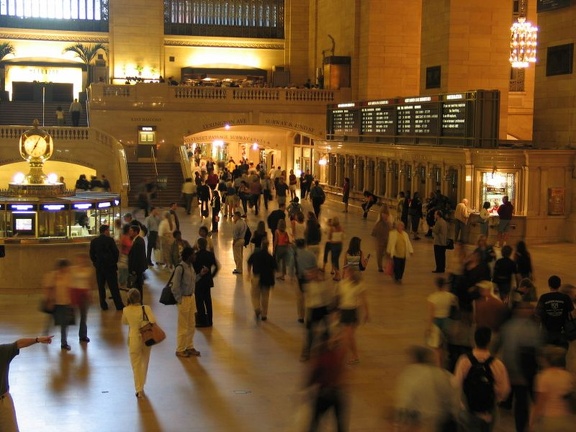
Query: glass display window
{"x":494,"y":185}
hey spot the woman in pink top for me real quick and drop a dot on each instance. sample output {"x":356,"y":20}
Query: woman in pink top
{"x":125,"y":243}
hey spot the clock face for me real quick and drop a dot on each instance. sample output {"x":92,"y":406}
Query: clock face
{"x":36,"y":146}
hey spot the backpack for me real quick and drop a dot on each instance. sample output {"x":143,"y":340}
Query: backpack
{"x":478,"y":386}
{"x":247,"y":236}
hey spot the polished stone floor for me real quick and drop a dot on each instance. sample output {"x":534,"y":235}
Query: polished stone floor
{"x":249,"y":376}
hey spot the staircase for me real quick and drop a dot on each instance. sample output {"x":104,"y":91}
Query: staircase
{"x":24,"y":113}
{"x":143,"y":172}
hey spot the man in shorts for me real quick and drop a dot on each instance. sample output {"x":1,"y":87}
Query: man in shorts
{"x":505,"y":212}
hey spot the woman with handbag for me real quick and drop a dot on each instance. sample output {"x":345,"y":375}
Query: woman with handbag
{"x":133,"y":315}
{"x":57,"y":294}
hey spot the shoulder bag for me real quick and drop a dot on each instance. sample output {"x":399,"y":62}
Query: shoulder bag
{"x":151,"y":333}
{"x":167,"y":297}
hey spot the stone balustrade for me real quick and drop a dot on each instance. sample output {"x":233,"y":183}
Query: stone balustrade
{"x":162,"y":93}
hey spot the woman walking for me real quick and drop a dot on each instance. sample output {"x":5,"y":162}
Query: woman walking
{"x":83,"y":283}
{"x":353,"y":306}
{"x":57,"y":294}
{"x":134,"y":315}
{"x":354,"y":258}
{"x":282,"y":248}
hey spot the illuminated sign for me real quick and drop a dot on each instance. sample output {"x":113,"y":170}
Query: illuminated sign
{"x":82,"y":206}
{"x":22,"y":207}
{"x":104,"y":205}
{"x":53,"y":207}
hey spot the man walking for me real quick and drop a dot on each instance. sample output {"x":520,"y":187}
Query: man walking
{"x":505,"y":212}
{"x":75,"y":111}
{"x":183,"y":290}
{"x":238,"y":233}
{"x":552,"y":310}
{"x":461,"y":215}
{"x":137,"y":263}
{"x":440,"y":231}
{"x":152,"y":223}
{"x":484,"y":381}
{"x":104,"y":255}
{"x":318,"y":197}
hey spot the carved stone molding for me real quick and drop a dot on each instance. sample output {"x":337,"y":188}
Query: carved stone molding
{"x":56,"y":37}
{"x":224,"y":43}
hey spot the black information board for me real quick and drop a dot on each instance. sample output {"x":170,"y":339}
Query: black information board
{"x":378,"y":118}
{"x":548,"y":5}
{"x":442,"y":119}
{"x":345,"y":121}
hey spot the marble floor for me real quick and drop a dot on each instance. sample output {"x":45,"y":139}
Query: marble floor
{"x":249,"y":377}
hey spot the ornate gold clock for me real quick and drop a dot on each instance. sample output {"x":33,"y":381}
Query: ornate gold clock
{"x":36,"y":147}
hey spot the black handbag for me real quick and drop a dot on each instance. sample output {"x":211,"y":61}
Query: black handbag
{"x":167,"y":297}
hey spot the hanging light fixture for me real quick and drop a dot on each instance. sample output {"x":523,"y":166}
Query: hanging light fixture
{"x":523,"y":40}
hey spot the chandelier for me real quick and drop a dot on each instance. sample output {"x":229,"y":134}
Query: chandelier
{"x":523,"y":41}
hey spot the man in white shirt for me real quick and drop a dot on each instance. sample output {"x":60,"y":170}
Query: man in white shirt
{"x":461,"y":215}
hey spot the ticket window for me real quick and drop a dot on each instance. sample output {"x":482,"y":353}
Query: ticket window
{"x":494,"y":185}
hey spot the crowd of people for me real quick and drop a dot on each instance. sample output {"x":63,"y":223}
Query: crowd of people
{"x":485,"y":322}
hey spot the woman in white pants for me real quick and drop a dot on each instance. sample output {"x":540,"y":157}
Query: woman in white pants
{"x":133,"y":316}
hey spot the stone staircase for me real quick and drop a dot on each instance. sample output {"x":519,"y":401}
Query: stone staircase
{"x":143,"y":172}
{"x":24,"y":113}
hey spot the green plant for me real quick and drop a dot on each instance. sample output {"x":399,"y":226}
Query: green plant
{"x":6,"y":48}
{"x":86,"y":53}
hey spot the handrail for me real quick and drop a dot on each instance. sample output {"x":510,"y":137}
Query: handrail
{"x":153,"y":155}
{"x":185,"y":163}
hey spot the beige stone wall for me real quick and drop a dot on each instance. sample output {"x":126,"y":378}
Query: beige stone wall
{"x":555,"y":96}
{"x":388,"y":48}
{"x":477,"y":34}
{"x":136,"y":38}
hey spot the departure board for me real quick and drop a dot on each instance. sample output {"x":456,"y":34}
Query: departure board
{"x":378,"y":118}
{"x":454,"y":118}
{"x":345,"y":121}
{"x":418,"y":116}
{"x":443,"y":119}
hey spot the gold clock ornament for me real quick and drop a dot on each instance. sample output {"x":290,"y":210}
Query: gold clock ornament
{"x":36,"y":147}
{"x":36,"y":144}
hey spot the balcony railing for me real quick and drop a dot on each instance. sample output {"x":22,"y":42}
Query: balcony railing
{"x":162,"y":93}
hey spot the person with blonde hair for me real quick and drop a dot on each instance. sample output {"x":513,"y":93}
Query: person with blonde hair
{"x":133,"y":316}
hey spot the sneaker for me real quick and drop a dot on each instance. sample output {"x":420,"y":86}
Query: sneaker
{"x":85,"y":339}
{"x":66,"y":347}
{"x":182,"y":354}
{"x":192,"y":352}
{"x":236,"y":271}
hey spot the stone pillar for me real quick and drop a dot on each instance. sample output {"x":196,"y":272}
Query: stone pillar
{"x":470,"y":42}
{"x":136,"y":39}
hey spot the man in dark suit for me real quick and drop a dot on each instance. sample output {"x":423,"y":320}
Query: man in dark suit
{"x":137,"y":263}
{"x":104,"y":255}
